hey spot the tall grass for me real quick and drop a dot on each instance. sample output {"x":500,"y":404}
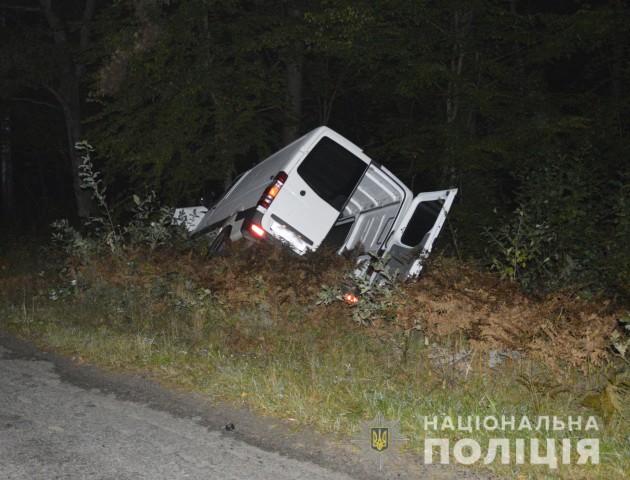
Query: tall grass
{"x":310,"y":364}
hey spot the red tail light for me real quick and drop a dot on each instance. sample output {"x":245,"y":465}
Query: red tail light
{"x":351,"y":298}
{"x":257,"y":230}
{"x":272,"y":190}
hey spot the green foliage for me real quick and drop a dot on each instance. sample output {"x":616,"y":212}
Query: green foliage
{"x":621,"y":339}
{"x":523,"y":249}
{"x":568,"y":229}
{"x":375,"y":298}
{"x":99,"y":231}
{"x":151,"y":224}
{"x":202,"y":298}
{"x":185,"y":96}
{"x":63,"y":292}
{"x":90,"y":181}
{"x":328,"y":294}
{"x":72,"y":241}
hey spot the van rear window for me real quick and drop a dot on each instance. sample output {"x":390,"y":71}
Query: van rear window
{"x":421,"y":222}
{"x":332,"y":172}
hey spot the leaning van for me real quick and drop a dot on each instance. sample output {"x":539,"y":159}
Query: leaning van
{"x":322,"y":189}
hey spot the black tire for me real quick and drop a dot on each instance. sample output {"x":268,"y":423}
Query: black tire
{"x":218,"y":245}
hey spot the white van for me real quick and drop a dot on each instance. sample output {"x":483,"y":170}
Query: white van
{"x":323,"y":190}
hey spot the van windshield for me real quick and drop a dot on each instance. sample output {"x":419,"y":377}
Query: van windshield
{"x":332,"y":172}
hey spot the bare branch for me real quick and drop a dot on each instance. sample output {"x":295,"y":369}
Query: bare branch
{"x":36,"y":102}
{"x":19,"y":8}
{"x":62,"y":101}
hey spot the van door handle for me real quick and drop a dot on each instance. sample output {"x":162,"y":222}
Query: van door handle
{"x":302,"y":192}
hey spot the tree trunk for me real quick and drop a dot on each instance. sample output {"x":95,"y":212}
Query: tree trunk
{"x":617,"y":72}
{"x":6,"y":167}
{"x":68,"y":95}
{"x":7,"y":197}
{"x":294,"y":69}
{"x":462,"y":21}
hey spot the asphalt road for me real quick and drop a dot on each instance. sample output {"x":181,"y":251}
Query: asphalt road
{"x":59,"y":420}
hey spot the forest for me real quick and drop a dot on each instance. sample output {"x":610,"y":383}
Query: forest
{"x":523,"y":105}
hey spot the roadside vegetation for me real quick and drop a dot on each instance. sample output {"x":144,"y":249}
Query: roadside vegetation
{"x":260,"y":327}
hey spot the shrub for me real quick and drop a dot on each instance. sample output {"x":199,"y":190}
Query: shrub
{"x":570,"y":228}
{"x":151,"y":224}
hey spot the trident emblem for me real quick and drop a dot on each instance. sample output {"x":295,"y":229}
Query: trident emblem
{"x":379,"y":438}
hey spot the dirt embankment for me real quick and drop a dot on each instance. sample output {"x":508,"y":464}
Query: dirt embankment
{"x":559,"y":330}
{"x":449,"y":299}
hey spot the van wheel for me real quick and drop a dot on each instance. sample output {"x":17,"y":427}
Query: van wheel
{"x":218,"y":245}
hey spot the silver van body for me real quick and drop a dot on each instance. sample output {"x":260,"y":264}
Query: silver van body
{"x":322,"y":189}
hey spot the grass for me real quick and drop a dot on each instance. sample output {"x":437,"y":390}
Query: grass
{"x":241,"y":338}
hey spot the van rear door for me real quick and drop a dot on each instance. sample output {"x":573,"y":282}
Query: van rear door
{"x":315,"y":192}
{"x":411,"y":242}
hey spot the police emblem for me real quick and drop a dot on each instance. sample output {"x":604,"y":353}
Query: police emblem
{"x":378,"y":439}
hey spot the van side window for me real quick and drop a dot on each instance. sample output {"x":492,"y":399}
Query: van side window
{"x":421,"y":222}
{"x":332,"y":172}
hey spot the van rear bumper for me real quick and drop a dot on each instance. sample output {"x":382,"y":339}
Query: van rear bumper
{"x":278,"y":230}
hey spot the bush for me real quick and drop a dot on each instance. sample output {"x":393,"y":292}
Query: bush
{"x":151,"y":224}
{"x":570,"y":228}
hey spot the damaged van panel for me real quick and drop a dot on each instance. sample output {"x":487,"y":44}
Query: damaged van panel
{"x":411,"y":240}
{"x":323,"y":190}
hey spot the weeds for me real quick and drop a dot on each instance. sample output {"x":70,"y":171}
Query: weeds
{"x":620,"y":339}
{"x":90,"y":180}
{"x":72,"y":241}
{"x":569,"y":230}
{"x":151,"y":224}
{"x":525,"y":251}
{"x":371,"y":297}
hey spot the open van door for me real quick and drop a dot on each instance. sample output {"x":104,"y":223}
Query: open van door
{"x":314,"y":192}
{"x":411,"y":242}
